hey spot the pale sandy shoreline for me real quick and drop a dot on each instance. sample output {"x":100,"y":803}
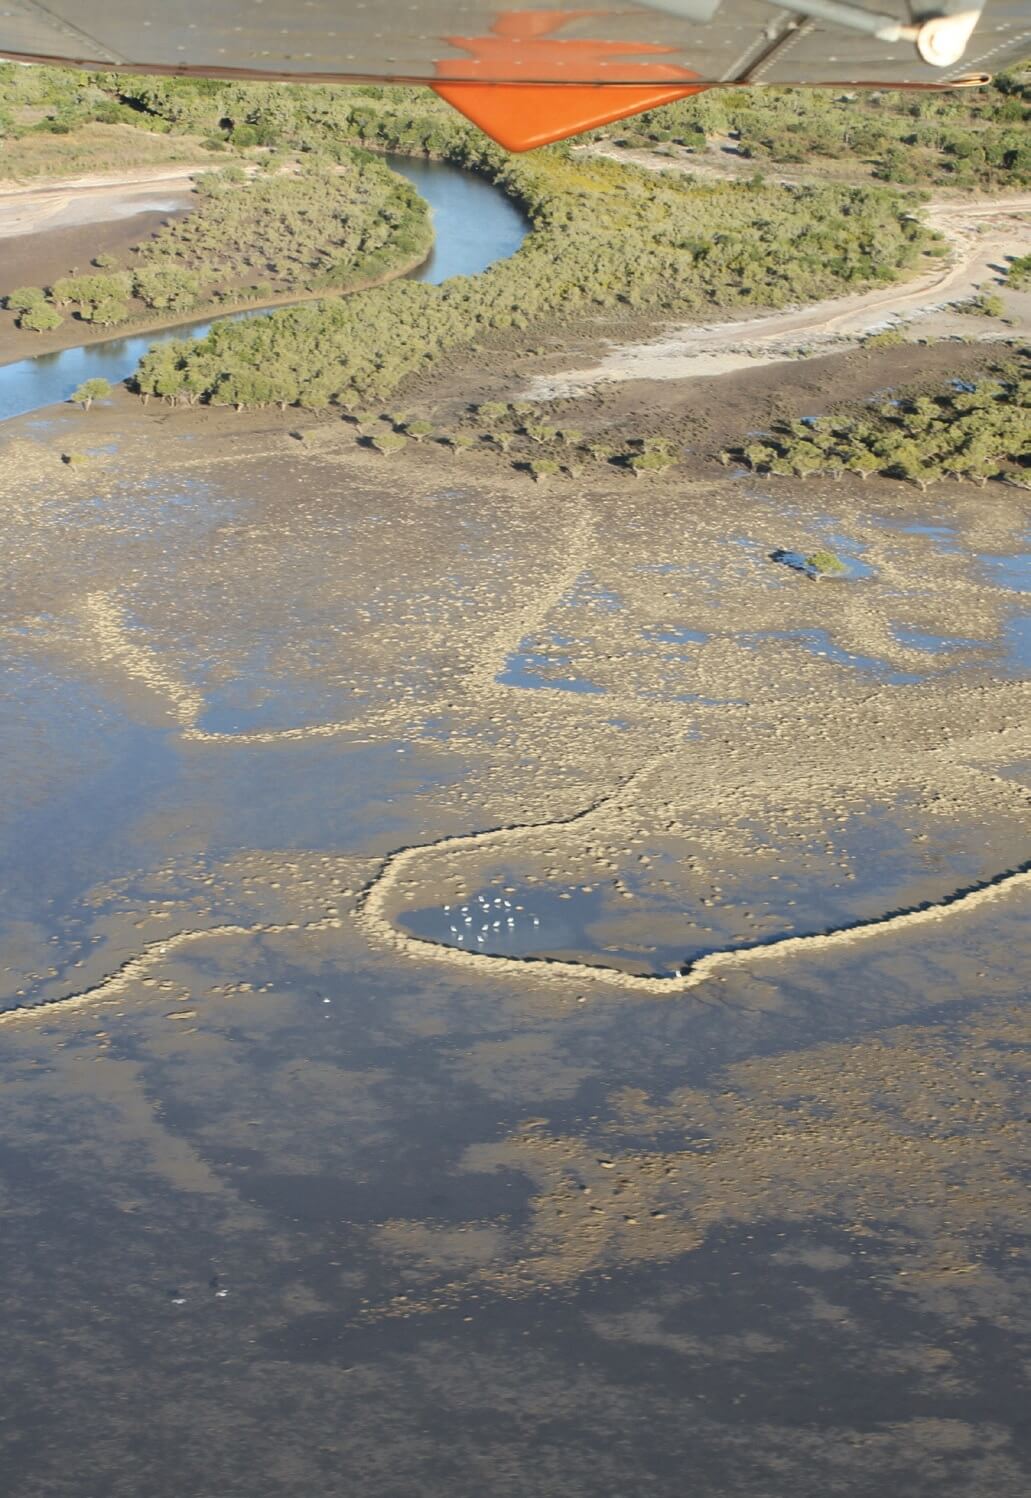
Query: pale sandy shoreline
{"x":77,"y":201}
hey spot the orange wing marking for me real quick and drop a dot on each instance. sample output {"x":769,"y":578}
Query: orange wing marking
{"x":566,"y":90}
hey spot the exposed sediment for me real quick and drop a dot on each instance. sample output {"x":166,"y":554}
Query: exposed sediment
{"x":373,"y":904}
{"x":121,"y":981}
{"x":371,"y":917}
{"x":760,"y":720}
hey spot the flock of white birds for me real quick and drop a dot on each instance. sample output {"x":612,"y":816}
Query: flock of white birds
{"x":493,"y":914}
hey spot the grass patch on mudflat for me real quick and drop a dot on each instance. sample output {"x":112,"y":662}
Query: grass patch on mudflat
{"x":977,"y":430}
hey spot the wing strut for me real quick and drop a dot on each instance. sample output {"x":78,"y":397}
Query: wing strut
{"x":940,"y":38}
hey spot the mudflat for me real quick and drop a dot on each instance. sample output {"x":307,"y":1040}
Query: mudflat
{"x":513,"y":987}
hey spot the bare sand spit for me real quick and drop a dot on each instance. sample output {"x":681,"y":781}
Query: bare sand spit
{"x":92,"y":200}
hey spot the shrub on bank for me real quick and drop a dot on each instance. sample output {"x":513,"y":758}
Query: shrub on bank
{"x":40,"y":319}
{"x":923,"y":437}
{"x":25,"y":298}
{"x":984,"y":305}
{"x":95,"y":389}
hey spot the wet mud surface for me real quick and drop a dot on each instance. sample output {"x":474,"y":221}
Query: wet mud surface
{"x":506,"y":989}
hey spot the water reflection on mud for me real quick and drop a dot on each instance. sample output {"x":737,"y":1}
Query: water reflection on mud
{"x":308,"y":1169}
{"x":878,"y":860}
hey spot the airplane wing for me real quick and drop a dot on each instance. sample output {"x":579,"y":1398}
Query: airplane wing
{"x":530,"y":76}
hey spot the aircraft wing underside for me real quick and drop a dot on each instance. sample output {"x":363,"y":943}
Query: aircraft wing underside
{"x":608,"y":62}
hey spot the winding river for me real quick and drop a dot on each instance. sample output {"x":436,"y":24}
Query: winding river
{"x":474,"y":225}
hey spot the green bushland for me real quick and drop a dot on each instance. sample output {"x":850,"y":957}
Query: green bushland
{"x":332,"y":226}
{"x":922,"y":436}
{"x":1018,"y":274}
{"x":963,"y":137}
{"x":967,"y":138}
{"x":605,"y":236}
{"x":61,"y":122}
